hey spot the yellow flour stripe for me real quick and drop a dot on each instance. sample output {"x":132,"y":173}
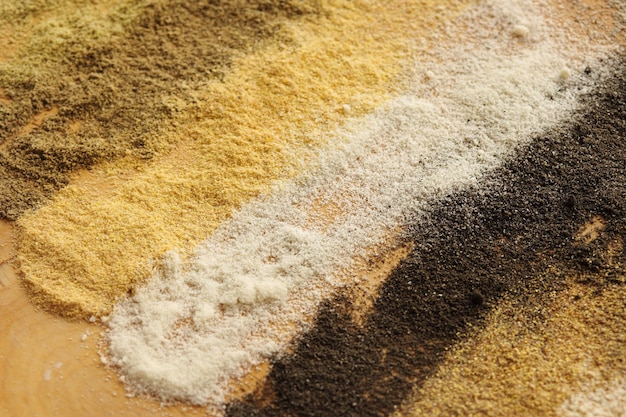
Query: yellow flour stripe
{"x":33,"y":44}
{"x":518,"y":365}
{"x":90,"y":246}
{"x":47,"y":28}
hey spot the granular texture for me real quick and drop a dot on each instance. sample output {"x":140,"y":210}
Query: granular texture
{"x":264,"y":121}
{"x":510,"y":239}
{"x":491,"y":243}
{"x":531,"y":357}
{"x":556,"y":347}
{"x":195,"y":325}
{"x":114,"y":71}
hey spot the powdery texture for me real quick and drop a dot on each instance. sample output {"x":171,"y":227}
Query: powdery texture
{"x":608,"y":401}
{"x":245,"y":292}
{"x":93,"y":242}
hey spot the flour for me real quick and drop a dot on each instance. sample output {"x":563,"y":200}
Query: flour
{"x":244,"y":295}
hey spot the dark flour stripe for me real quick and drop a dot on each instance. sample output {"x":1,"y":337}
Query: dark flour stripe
{"x":479,"y":245}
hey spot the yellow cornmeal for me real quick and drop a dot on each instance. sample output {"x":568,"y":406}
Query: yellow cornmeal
{"x":95,"y":241}
{"x":516,"y":366}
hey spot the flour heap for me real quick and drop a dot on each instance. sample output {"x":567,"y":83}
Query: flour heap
{"x":95,"y":240}
{"x":249,"y":287}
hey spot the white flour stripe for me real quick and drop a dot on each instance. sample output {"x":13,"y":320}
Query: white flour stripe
{"x":194,"y":327}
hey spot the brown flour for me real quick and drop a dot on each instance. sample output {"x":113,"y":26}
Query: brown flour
{"x":121,"y":71}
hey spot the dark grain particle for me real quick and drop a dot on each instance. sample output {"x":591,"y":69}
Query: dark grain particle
{"x":476,"y":298}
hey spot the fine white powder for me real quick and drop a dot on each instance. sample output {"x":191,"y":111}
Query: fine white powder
{"x":605,"y":401}
{"x":245,"y":293}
